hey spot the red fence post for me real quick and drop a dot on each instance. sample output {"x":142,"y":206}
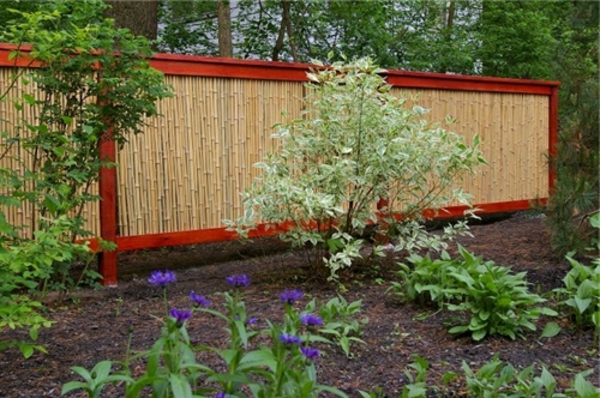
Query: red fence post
{"x":552,"y":138}
{"x":107,"y":260}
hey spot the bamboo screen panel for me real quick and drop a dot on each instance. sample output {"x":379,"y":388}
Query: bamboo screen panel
{"x":20,"y":160}
{"x":513,"y":129}
{"x":187,"y":171}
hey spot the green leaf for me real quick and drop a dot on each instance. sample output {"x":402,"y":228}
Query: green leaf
{"x":479,"y":334}
{"x":584,"y":388}
{"x":180,"y":386}
{"x":30,"y":99}
{"x":458,"y":329}
{"x":73,"y":385}
{"x":261,"y":357}
{"x":26,"y":350}
{"x":550,"y":330}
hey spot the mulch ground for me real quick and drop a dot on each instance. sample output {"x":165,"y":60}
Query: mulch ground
{"x":95,"y":326}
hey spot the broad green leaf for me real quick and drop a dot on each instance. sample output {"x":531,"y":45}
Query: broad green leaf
{"x":72,"y":385}
{"x":478,"y":334}
{"x":550,"y":330}
{"x":180,"y":386}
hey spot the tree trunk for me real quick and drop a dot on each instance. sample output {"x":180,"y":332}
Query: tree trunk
{"x":140,"y":17}
{"x":285,"y":25}
{"x":224,"y":27}
{"x":451,"y":12}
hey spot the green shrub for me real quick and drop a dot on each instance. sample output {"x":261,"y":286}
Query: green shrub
{"x":90,"y":78}
{"x":426,"y":280}
{"x":581,"y":291}
{"x":495,"y":300}
{"x":498,"y":301}
{"x":355,"y":145}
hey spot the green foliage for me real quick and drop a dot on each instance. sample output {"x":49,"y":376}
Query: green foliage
{"x":494,"y":379}
{"x":340,"y":321}
{"x":498,"y":380}
{"x":497,"y":301}
{"x":576,"y":195}
{"x":90,"y":77}
{"x":581,"y":290}
{"x":357,"y":144}
{"x":277,"y":369}
{"x":516,"y":40}
{"x":426,"y":280}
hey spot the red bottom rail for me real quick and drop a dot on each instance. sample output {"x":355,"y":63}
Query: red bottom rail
{"x":108,"y":260}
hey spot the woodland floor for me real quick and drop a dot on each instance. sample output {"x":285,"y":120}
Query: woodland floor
{"x":95,"y":326}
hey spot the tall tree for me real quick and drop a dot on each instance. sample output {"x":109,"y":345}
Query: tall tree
{"x":140,"y":17}
{"x":188,"y":27}
{"x":516,"y":39}
{"x":575,"y":63}
{"x":224,"y":28}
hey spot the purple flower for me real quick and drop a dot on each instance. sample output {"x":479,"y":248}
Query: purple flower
{"x":310,"y":353}
{"x":289,"y":339}
{"x":311,"y":320}
{"x":180,"y":315}
{"x":238,"y":280}
{"x":252,"y":321}
{"x":159,"y":278}
{"x":199,"y":300}
{"x":222,"y":395}
{"x":290,"y":296}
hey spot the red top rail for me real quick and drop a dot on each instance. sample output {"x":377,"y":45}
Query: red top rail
{"x":195,"y":65}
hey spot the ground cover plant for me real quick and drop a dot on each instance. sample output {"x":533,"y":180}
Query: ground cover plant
{"x":98,"y":327}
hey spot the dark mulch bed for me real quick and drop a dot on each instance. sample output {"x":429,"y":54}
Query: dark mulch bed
{"x":95,"y":327}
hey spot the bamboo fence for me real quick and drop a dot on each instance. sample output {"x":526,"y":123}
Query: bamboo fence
{"x":186,"y":172}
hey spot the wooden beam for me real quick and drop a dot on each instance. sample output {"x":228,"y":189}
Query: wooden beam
{"x":552,"y":138}
{"x":107,"y":185}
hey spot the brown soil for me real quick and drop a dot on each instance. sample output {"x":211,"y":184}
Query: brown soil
{"x":95,"y":326}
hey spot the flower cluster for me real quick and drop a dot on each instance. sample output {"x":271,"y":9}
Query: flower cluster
{"x":180,"y":315}
{"x":241,"y":280}
{"x":158,"y":278}
{"x":310,"y":353}
{"x":290,"y":296}
{"x":311,"y":320}
{"x":199,"y":300}
{"x":289,"y":339}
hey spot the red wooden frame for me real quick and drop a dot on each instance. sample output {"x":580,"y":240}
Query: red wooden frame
{"x":185,"y":65}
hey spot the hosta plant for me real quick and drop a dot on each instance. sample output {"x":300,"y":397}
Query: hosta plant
{"x":357,"y":144}
{"x":581,"y":290}
{"x":425,"y":279}
{"x":492,"y":299}
{"x":497,"y":301}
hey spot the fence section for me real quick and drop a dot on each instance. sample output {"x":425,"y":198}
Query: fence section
{"x":183,"y":176}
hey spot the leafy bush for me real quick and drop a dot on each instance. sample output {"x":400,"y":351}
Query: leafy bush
{"x":90,"y":78}
{"x":283,"y":368}
{"x":497,"y":301}
{"x":426,"y":280}
{"x":357,"y":144}
{"x":581,"y":291}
